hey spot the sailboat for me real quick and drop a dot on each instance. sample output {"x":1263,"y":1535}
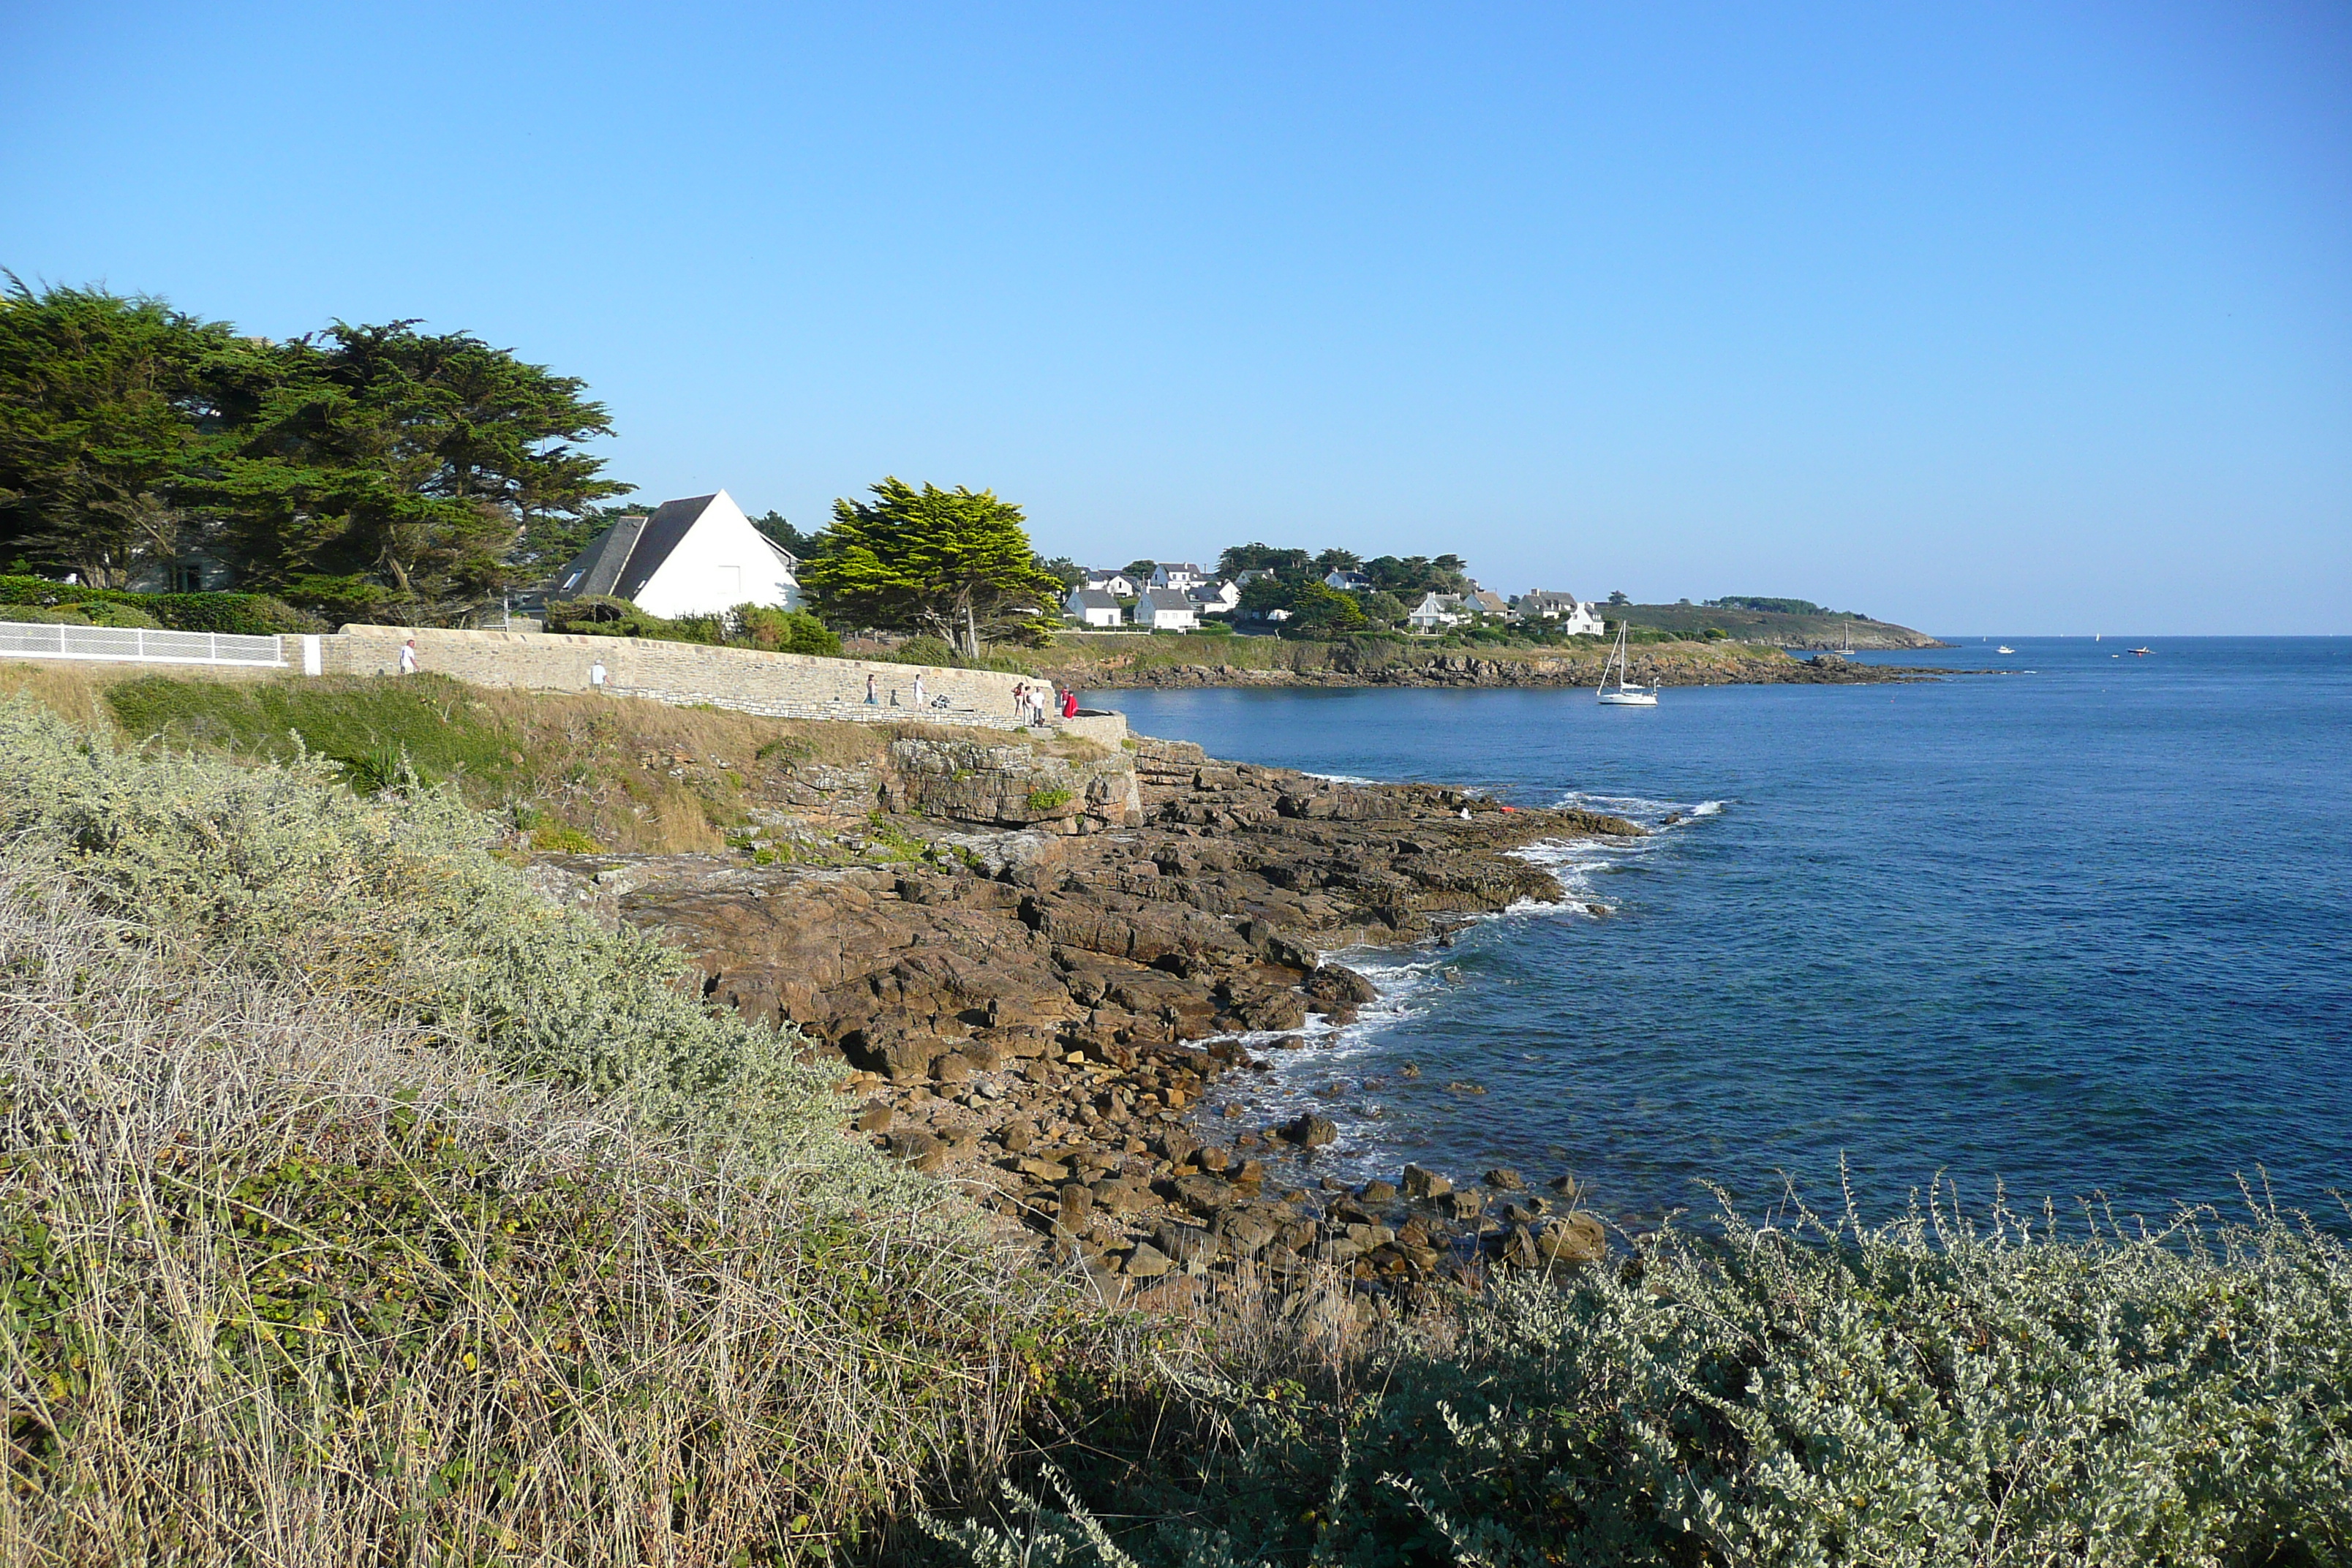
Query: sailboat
{"x":1622,"y":695}
{"x":1845,"y":649}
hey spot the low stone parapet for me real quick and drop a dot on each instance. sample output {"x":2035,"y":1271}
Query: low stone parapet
{"x":777,"y":685}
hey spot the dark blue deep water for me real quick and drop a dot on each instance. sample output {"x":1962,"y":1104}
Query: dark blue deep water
{"x":2084,"y":927}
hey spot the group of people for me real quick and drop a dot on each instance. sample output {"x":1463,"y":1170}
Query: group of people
{"x":1034,"y":704}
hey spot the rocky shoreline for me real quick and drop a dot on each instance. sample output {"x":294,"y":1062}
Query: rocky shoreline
{"x":1473,"y":670}
{"x":1033,"y":967}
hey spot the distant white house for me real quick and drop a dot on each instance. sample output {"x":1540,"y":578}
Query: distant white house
{"x":1119,"y":584}
{"x":1166,"y":610}
{"x":1176,"y":575}
{"x":1436,"y":613}
{"x":1487,"y":602}
{"x":692,"y":557}
{"x":1348,"y":581}
{"x":1250,"y":574}
{"x":1575,"y":616}
{"x":1214,"y":598}
{"x":1092,"y":607}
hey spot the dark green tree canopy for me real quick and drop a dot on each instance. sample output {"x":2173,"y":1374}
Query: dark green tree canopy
{"x":103,"y":402}
{"x":366,"y":462}
{"x":1319,"y":611}
{"x":1411,"y":576}
{"x":1290,"y":565}
{"x":952,"y":564}
{"x":803,"y":545}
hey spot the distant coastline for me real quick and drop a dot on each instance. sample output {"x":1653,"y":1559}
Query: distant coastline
{"x":1149,"y":663}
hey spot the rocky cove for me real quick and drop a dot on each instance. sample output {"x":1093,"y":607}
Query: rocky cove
{"x":1032,"y":960}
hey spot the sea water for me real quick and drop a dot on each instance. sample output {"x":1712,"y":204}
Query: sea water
{"x":2083,"y":927}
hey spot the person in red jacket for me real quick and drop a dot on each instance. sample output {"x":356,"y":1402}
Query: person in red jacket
{"x":1069,"y":704}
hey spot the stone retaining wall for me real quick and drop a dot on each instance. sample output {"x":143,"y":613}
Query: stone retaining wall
{"x":779,"y":685}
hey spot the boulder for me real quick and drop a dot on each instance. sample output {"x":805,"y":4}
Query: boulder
{"x":1420,"y":1185}
{"x":1311,"y":1132}
{"x":919,"y":1149}
{"x":1146,"y":1262}
{"x":1203,"y":1194}
{"x":1504,"y":1179}
{"x":1186,"y":1243}
{"x":1576,"y":1237}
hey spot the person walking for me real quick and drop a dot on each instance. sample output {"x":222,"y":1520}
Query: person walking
{"x":873,"y":698}
{"x":408,"y":656}
{"x":1021,"y":700}
{"x":1070,"y":703}
{"x":596,"y":675}
{"x":920,"y":698}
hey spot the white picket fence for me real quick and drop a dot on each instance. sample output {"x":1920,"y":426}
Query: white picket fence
{"x":135,"y":644}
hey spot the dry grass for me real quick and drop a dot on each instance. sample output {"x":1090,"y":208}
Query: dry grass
{"x":290,"y":1284}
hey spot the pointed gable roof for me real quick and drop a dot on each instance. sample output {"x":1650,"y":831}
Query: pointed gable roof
{"x":619,"y":562}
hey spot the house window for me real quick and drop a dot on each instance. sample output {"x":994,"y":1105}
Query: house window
{"x":573,"y":581}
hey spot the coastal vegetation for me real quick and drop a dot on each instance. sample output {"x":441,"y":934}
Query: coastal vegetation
{"x":357,"y":1204}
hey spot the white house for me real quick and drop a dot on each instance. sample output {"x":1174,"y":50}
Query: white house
{"x":1117,"y":585}
{"x":1487,"y":602}
{"x":1348,"y":581}
{"x":692,"y":557}
{"x":1576,"y":617}
{"x":1166,"y":610}
{"x":1176,"y":575}
{"x":1092,"y":607}
{"x":1436,"y":613}
{"x":1214,"y":598}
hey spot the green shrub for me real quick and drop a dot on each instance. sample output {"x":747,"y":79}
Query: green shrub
{"x":341,"y":600}
{"x":784,"y":631}
{"x":1044,"y":800}
{"x":1932,"y":1393}
{"x":605,"y":617}
{"x":251,"y":614}
{"x":928,"y":650}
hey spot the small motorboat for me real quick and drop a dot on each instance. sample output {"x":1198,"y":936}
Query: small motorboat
{"x":2142,"y":652}
{"x":2004,"y":648}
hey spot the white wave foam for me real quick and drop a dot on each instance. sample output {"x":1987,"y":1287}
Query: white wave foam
{"x":1340,"y":778}
{"x":1306,"y":1079}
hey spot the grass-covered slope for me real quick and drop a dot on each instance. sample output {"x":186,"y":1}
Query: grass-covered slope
{"x":569,"y":771}
{"x":355,"y":1206}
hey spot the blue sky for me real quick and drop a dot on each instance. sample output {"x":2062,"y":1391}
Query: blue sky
{"x":2031,"y":318}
